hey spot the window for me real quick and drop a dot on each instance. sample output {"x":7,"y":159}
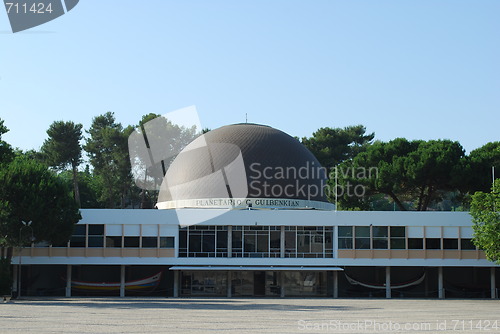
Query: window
{"x":415,"y":243}
{"x":345,"y":237}
{"x":167,"y":242}
{"x":149,"y":242}
{"x":114,"y":242}
{"x":450,"y":243}
{"x":96,"y":235}
{"x":466,"y":244}
{"x":432,"y":243}
{"x":78,"y":237}
{"x":380,"y":237}
{"x":132,"y":242}
{"x":398,"y":240}
{"x":362,"y":237}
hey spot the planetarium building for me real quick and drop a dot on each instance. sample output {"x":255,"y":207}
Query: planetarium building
{"x":243,"y":211}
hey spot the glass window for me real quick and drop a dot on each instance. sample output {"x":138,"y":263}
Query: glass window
{"x":378,"y":231}
{"x":290,"y":243}
{"x":415,"y":243}
{"x":263,"y":243}
{"x":80,"y":230}
{"x":96,"y":229}
{"x":467,"y":244}
{"x":362,"y":231}
{"x":398,"y":243}
{"x":114,"y":242}
{"x":236,"y":243}
{"x":77,"y":241}
{"x":345,"y":231}
{"x":194,"y":243}
{"x":380,"y":243}
{"x":450,"y":243}
{"x":131,"y":242}
{"x":275,"y":239}
{"x":345,"y":243}
{"x":96,"y":241}
{"x":182,"y":239}
{"x":222,"y":240}
{"x":149,"y":242}
{"x":208,"y":242}
{"x":250,"y":243}
{"x":432,"y":243}
{"x":362,"y":243}
{"x":398,"y":231}
{"x":167,"y":242}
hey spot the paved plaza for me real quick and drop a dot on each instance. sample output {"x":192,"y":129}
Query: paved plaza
{"x":182,"y":315}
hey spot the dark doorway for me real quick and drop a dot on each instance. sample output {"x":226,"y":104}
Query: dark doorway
{"x":259,"y":283}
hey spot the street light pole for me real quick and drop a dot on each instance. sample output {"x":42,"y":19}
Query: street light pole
{"x":25,"y":224}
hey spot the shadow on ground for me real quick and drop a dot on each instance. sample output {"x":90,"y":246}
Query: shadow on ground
{"x":187,"y":304}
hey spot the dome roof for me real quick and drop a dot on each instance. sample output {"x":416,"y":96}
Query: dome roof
{"x":247,"y":162}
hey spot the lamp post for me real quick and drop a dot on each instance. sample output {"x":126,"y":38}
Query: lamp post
{"x":25,"y":224}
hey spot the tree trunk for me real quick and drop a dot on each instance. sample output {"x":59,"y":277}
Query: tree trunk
{"x":76,"y":190}
{"x":421,"y":198}
{"x":428,"y":198}
{"x":396,"y":199}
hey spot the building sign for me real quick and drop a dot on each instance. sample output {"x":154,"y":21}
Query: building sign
{"x":246,"y":203}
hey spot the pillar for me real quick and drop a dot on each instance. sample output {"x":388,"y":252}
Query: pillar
{"x":493,"y":283}
{"x":176,"y":283}
{"x":229,"y":284}
{"x":440,"y":283}
{"x":388,"y":282}
{"x":68,"y":280}
{"x":335,"y":284}
{"x":122,"y":281}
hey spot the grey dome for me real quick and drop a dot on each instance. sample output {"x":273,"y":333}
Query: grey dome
{"x":270,"y":158}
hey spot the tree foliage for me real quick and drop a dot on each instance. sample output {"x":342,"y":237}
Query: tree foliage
{"x":108,"y":152}
{"x":413,"y":174}
{"x":485,"y":212}
{"x":63,"y":149}
{"x":6,"y":152}
{"x":31,"y":192}
{"x":331,"y":146}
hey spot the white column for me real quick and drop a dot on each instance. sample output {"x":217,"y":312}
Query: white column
{"x":440,"y":283}
{"x":229,"y":284}
{"x":335,"y":284}
{"x":122,"y":281}
{"x":68,"y":280}
{"x":493,"y":282}
{"x":387,"y":282}
{"x":176,"y":283}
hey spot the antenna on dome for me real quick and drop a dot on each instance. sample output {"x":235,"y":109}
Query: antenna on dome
{"x":246,"y":118}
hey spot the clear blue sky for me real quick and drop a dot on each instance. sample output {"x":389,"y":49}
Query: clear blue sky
{"x":414,"y":69}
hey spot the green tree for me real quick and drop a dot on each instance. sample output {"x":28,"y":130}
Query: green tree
{"x":331,"y":146}
{"x":6,"y":152}
{"x":31,"y":192}
{"x":108,"y":153}
{"x":63,"y":149}
{"x":485,"y":212}
{"x":478,"y":167}
{"x":413,"y":174}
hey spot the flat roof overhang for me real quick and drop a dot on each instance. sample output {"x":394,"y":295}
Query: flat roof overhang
{"x":257,"y":268}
